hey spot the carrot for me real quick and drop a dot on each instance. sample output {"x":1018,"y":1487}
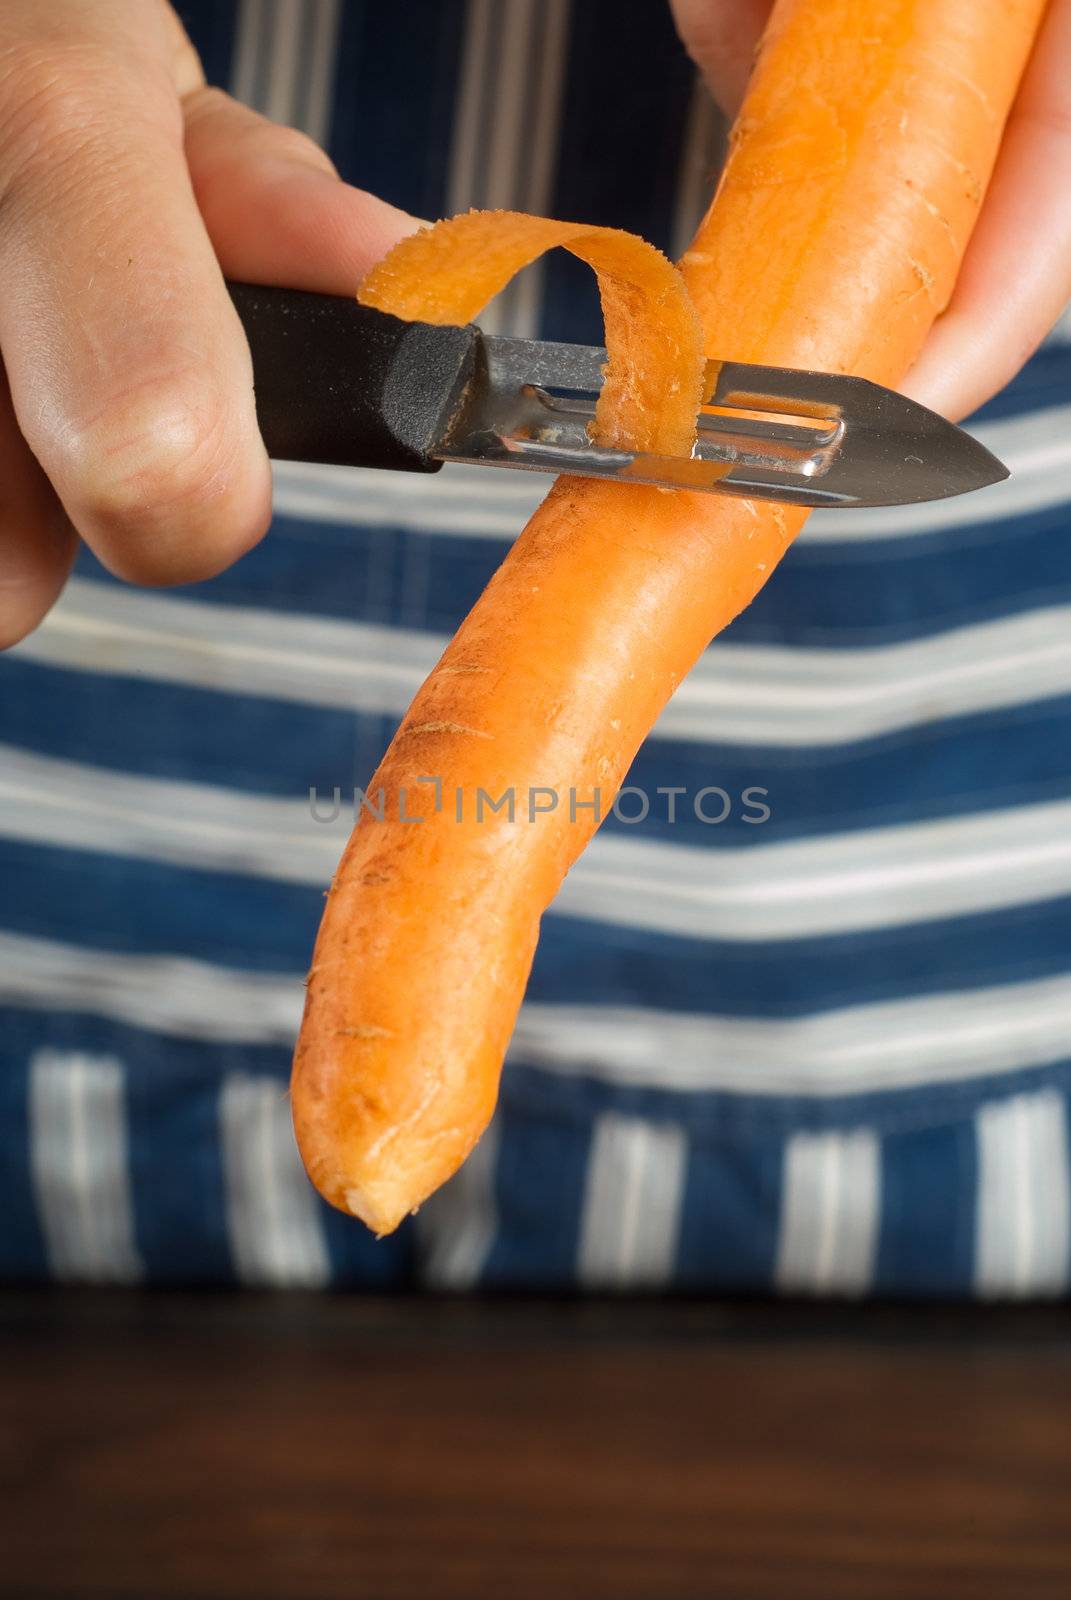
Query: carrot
{"x":855,"y":173}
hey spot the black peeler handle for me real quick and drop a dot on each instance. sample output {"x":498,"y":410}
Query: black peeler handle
{"x":339,"y":382}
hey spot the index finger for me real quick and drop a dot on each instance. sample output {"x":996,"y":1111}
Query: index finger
{"x":1016,"y":275}
{"x":129,"y":371}
{"x":721,"y":37}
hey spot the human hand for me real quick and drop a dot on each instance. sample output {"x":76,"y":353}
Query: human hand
{"x":127,"y":190}
{"x":1016,"y":275}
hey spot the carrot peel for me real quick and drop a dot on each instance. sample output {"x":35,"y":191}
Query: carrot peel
{"x":652,"y":387}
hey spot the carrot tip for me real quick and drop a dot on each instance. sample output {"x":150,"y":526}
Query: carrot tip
{"x":381,"y":1209}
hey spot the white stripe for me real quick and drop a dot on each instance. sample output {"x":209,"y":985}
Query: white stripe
{"x":481,"y":503}
{"x":894,"y":1044}
{"x":184,"y":824}
{"x":632,"y":1203}
{"x":736,"y":694}
{"x":80,"y":1163}
{"x":102,"y":628}
{"x":830,"y":1210}
{"x":485,"y":151}
{"x":702,"y":153}
{"x":552,"y":18}
{"x":316,"y":90}
{"x":505,"y":137}
{"x":474,"y":78}
{"x":274,"y":74}
{"x":273,"y":1219}
{"x":251,"y":41}
{"x":280,"y":99}
{"x":866,"y":880}
{"x":743,"y":694}
{"x":869,"y":880}
{"x":470,"y":501}
{"x":1023,"y":1238}
{"x":169,"y":994}
{"x":456,"y":1227}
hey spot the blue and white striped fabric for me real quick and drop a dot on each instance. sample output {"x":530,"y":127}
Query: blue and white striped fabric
{"x":825,"y":1055}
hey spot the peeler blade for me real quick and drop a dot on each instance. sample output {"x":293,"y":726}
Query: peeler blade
{"x":774,"y":433}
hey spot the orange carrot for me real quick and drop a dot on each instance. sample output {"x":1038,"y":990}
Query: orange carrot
{"x":855,"y":173}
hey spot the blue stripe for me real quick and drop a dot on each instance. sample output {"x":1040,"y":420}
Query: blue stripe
{"x":626,"y":99}
{"x":889,"y":591}
{"x":730,"y":1212}
{"x":739,"y":1120}
{"x":373,"y":573}
{"x":176,"y":1166}
{"x":538,"y":1194}
{"x":390,"y":139}
{"x":960,"y":767}
{"x":139,"y":907}
{"x":837,"y":596}
{"x":22,"y":1247}
{"x":361,"y":1261}
{"x":171,"y":731}
{"x":963,"y":766}
{"x":622,"y":966}
{"x":929,"y":1187}
{"x":110,"y":903}
{"x":359,"y":572}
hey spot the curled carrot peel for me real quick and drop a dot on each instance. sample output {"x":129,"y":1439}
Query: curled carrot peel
{"x":855,"y":173}
{"x":652,"y":387}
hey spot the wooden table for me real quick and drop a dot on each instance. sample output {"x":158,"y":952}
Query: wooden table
{"x":296,"y":1448}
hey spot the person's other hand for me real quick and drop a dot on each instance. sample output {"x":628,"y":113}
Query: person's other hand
{"x":1016,"y":276}
{"x":127,"y":190}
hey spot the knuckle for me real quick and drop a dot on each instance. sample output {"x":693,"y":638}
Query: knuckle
{"x":291,"y":144}
{"x":230,"y":127}
{"x":161,"y":476}
{"x":57,"y":110}
{"x":45,"y":96}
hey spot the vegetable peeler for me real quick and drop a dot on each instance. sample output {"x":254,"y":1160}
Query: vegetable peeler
{"x":342,"y":383}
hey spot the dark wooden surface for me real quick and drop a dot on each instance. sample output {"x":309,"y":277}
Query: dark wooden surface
{"x":307,"y":1449}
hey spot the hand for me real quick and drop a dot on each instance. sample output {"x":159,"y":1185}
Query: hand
{"x":127,"y":190}
{"x":1016,"y":276}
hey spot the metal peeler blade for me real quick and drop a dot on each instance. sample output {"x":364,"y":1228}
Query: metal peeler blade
{"x":774,"y":433}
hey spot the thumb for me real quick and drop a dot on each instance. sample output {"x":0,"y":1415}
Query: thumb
{"x":721,"y":36}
